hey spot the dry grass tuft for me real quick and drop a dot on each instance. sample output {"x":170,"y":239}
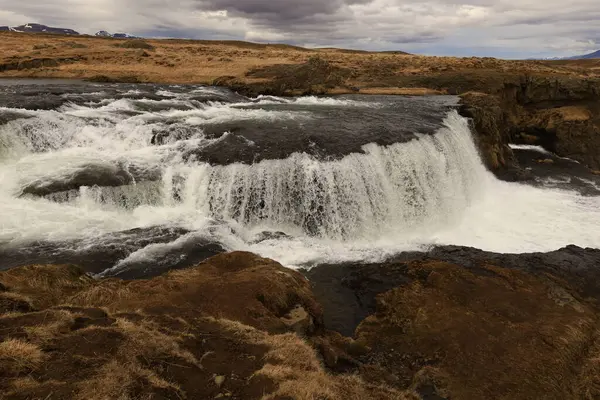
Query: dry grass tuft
{"x":290,"y":350}
{"x":147,"y":341}
{"x":45,"y":285}
{"x":42,"y":334}
{"x":574,"y":113}
{"x":24,"y":383}
{"x":136,"y":44}
{"x":14,"y":302}
{"x":120,"y":381}
{"x":294,"y":365}
{"x":17,"y":356}
{"x":103,"y":293}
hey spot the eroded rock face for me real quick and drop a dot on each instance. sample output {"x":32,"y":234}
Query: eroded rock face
{"x":560,"y":114}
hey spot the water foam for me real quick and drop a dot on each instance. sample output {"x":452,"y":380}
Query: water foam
{"x":407,"y":196}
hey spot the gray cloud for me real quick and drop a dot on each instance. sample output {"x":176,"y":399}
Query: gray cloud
{"x":507,"y":28}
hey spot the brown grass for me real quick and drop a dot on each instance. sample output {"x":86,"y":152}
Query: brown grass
{"x":294,"y":365}
{"x":117,"y":380}
{"x":400,"y":91}
{"x":17,"y":356}
{"x":58,"y":322}
{"x":188,"y":61}
{"x":489,"y":332}
{"x":573,"y":113}
{"x":45,"y":285}
{"x":148,"y":342}
{"x":10,"y":302}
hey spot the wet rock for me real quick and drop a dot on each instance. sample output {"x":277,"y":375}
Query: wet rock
{"x":91,"y":175}
{"x":268,"y":235}
{"x":114,"y":247}
{"x":546,"y":161}
{"x":490,"y":122}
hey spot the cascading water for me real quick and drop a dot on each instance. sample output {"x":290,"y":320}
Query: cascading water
{"x":426,"y":182}
{"x":331,"y":179}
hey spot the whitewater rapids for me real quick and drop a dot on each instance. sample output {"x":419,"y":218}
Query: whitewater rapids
{"x":316,"y":204}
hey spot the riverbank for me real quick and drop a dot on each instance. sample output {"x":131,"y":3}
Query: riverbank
{"x":455,"y":323}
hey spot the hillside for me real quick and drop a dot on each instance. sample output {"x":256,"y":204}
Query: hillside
{"x":263,"y":68}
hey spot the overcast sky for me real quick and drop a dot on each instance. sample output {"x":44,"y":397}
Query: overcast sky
{"x":500,"y":28}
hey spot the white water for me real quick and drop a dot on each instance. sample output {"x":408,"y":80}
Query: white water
{"x":406,"y":196}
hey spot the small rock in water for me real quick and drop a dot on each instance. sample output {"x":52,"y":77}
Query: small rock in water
{"x":268,"y":235}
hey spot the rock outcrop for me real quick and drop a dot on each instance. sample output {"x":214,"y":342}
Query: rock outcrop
{"x":455,"y":323}
{"x":316,"y":76}
{"x":230,"y":328}
{"x":560,"y":114}
{"x":460,"y":323}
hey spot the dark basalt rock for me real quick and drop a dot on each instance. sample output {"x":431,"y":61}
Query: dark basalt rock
{"x":92,"y":175}
{"x":560,"y":114}
{"x":98,"y":258}
{"x":348,"y":291}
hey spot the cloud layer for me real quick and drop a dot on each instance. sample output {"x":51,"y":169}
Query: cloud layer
{"x":503,"y":28}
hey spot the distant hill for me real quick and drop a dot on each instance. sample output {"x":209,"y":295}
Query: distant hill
{"x":595,"y":54}
{"x":38,"y":28}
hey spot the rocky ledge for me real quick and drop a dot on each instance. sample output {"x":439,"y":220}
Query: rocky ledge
{"x":560,"y":114}
{"x":454,"y":323}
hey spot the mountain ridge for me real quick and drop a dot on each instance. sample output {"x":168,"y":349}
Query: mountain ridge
{"x":589,"y":56}
{"x":595,"y":54}
{"x":40,"y":28}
